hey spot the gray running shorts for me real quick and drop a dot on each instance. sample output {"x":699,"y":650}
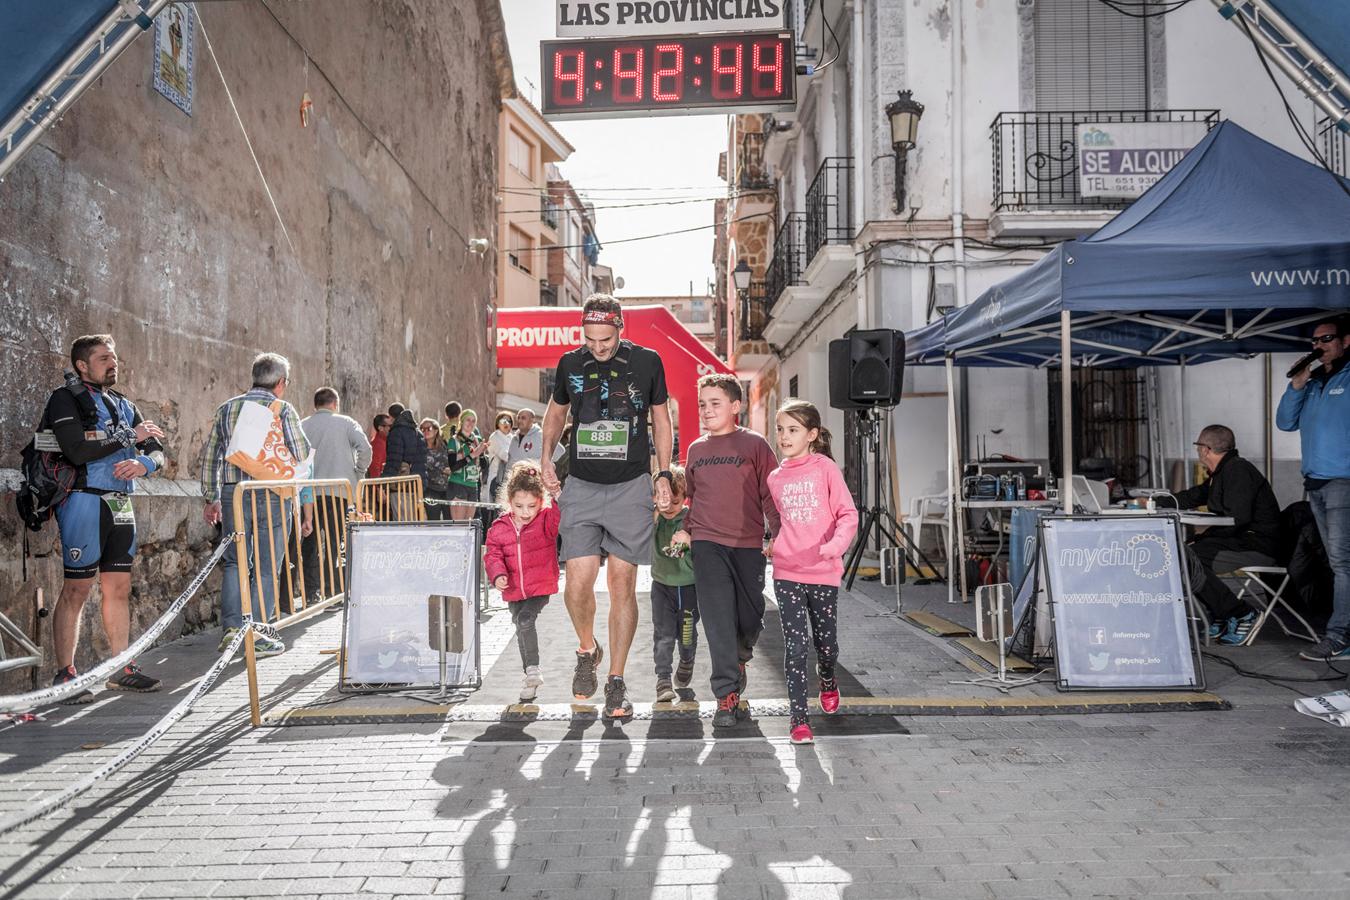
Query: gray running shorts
{"x":615,"y":518}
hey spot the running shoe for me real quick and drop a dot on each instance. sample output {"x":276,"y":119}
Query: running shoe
{"x":665,"y":691}
{"x":1327,"y":649}
{"x":583,"y":678}
{"x":829,"y":695}
{"x":728,"y":711}
{"x":801,"y":734}
{"x":684,"y":673}
{"x":1216,"y":629}
{"x":616,"y":699}
{"x":131,"y":678}
{"x":1238,"y":629}
{"x":69,"y":674}
{"x":265,"y":646}
{"x":226,"y":639}
{"x":529,"y":688}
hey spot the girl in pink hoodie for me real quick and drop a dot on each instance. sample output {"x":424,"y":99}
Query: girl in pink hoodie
{"x":819,"y":522}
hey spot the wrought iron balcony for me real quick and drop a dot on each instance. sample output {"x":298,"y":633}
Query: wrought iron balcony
{"x":789,"y":256}
{"x":751,"y":173}
{"x":829,"y":206}
{"x":548,"y":294}
{"x":548,"y":213}
{"x":754,"y":312}
{"x":1036,"y":155}
{"x":1335,"y":147}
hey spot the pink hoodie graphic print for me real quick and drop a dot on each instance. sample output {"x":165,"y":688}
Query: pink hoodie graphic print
{"x":819,"y":520}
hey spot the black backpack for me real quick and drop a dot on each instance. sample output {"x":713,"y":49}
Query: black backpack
{"x":48,"y":477}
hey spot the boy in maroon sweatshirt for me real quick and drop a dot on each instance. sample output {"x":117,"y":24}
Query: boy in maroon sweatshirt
{"x":729,"y":504}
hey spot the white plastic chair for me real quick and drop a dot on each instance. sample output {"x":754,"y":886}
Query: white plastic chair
{"x":1251,"y":579}
{"x":928,"y":511}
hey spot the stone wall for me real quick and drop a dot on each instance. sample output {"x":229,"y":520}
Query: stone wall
{"x":136,"y":219}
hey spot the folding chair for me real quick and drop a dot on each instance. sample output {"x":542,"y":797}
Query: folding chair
{"x":1251,"y":579}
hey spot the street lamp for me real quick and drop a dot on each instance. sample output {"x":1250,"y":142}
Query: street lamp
{"x":904,"y":113}
{"x":742,"y":275}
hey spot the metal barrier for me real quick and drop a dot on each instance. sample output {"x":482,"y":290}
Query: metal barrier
{"x":394,"y":499}
{"x":272,"y":562}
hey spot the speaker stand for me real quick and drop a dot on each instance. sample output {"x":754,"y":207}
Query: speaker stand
{"x":877,"y":517}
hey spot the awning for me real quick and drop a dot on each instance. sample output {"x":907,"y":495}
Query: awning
{"x":52,"y":51}
{"x":1234,"y":252}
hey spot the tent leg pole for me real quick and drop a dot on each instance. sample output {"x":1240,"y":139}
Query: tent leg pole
{"x":1066,"y":406}
{"x":952,"y":492}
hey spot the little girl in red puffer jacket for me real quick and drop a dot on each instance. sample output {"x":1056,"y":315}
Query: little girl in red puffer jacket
{"x":521,"y":558}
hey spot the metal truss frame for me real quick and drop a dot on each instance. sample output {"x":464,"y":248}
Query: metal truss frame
{"x":81,"y":68}
{"x":1309,"y":68}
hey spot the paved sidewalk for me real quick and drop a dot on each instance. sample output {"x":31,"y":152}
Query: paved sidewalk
{"x":1245,"y":802}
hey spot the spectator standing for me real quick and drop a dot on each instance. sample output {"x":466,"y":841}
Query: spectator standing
{"x":405,"y":450}
{"x":220,"y":478}
{"x":1317,"y":406}
{"x":467,"y":449}
{"x":102,"y":435}
{"x":528,"y":442}
{"x":499,"y":450}
{"x":379,"y":432}
{"x":434,"y":479}
{"x":341,"y":450}
{"x":453,"y":409}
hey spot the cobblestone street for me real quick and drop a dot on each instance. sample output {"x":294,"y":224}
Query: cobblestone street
{"x":1244,"y":801}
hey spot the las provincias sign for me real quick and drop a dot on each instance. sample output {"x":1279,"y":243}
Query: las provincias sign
{"x":626,"y":18}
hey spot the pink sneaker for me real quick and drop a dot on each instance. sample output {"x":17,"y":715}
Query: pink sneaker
{"x":801,"y":734}
{"x":829,"y":696}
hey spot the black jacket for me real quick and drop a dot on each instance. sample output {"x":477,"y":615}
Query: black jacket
{"x":1236,"y":488}
{"x":404,"y":445}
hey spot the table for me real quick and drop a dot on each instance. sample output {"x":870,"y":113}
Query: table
{"x":1198,"y":519}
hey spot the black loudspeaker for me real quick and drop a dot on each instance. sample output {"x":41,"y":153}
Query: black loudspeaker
{"x":867,"y":369}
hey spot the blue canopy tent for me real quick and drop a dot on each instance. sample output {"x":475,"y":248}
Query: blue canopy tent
{"x":1234,"y":252}
{"x":52,"y":51}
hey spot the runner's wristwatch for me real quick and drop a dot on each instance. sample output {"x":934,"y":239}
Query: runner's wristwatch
{"x":665,"y":473}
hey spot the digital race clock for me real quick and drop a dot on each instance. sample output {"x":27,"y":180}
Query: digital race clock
{"x":753,"y":72}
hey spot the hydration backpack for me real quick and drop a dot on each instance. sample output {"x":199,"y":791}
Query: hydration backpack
{"x":48,"y":477}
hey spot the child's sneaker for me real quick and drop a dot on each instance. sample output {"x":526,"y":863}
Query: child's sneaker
{"x":728,"y":711}
{"x":684,"y":673}
{"x":829,"y":695}
{"x":616,"y":699}
{"x":529,"y":688}
{"x":801,"y":734}
{"x":665,"y":691}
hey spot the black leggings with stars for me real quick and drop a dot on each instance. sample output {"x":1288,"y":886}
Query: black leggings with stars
{"x":796,"y":603}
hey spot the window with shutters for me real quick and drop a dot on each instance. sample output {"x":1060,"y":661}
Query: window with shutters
{"x":520,"y":250}
{"x":1088,"y":56}
{"x":518,"y":152}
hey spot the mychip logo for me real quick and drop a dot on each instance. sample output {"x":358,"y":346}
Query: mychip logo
{"x":1147,"y":555}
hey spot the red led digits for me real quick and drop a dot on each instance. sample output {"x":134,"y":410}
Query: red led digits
{"x":628,"y":82}
{"x":569,"y":88}
{"x":727,"y":69}
{"x":762,"y":67}
{"x":671,"y":75}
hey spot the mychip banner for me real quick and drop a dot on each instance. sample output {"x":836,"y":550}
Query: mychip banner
{"x":1118,"y":600}
{"x":402,"y":577}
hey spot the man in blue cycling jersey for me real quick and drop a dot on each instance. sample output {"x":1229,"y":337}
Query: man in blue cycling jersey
{"x":100,"y":433}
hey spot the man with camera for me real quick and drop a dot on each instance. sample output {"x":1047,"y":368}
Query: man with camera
{"x":1316,"y":405}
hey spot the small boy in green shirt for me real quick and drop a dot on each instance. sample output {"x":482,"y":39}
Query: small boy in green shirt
{"x":674,"y":601}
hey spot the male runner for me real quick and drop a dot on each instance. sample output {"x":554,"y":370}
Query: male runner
{"x":613,"y":388}
{"x":101,"y":433}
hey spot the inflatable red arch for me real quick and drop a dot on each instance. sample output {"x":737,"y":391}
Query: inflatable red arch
{"x":534,"y":337}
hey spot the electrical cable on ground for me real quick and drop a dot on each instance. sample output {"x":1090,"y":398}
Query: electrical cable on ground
{"x":1276,"y":679}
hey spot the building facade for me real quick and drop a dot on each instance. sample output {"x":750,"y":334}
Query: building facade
{"x":345,"y":244}
{"x":814,"y":210}
{"x":530,"y":220}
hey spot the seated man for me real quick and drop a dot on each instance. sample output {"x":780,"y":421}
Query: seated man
{"x":1234,"y":488}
